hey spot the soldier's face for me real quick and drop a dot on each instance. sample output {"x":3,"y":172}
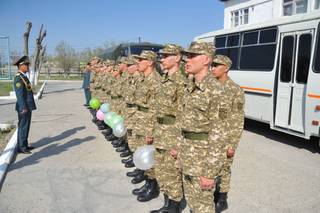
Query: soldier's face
{"x":133,"y":68}
{"x":168,"y":61}
{"x":143,"y":65}
{"x":218,"y":70}
{"x":123,"y":67}
{"x":194,"y":63}
{"x":24,"y":68}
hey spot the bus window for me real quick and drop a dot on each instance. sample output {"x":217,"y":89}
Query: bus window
{"x":233,"y":41}
{"x":304,"y":53}
{"x":286,"y":59}
{"x":232,"y":53}
{"x":258,"y":57}
{"x":220,"y":42}
{"x":317,"y":53}
{"x":250,"y":38}
{"x":268,"y":36}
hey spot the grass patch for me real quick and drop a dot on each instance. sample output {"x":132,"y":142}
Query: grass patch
{"x":5,"y":88}
{"x":4,"y":139}
{"x":61,"y":77}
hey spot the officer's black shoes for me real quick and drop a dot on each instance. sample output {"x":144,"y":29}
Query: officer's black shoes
{"x":30,"y":148}
{"x":126,"y":160}
{"x":130,"y":164}
{"x":134,"y":172}
{"x":151,"y":193}
{"x":222,"y":203}
{"x":165,"y":206}
{"x":142,"y":189}
{"x":139,"y":178}
{"x":170,"y":206}
{"x":24,"y":151}
{"x":126,"y":153}
{"x":107,"y":131}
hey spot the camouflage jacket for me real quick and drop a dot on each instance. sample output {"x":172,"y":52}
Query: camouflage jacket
{"x":232,"y":107}
{"x":167,"y":100}
{"x":200,"y":115}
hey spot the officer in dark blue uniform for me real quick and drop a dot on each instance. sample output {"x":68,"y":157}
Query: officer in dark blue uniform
{"x":86,"y":84}
{"x":25,"y":104}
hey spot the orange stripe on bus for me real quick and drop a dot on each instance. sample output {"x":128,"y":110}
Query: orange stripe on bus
{"x":256,"y":89}
{"x":314,"y":96}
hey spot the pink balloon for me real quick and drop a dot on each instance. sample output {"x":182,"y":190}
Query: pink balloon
{"x":100,"y":115}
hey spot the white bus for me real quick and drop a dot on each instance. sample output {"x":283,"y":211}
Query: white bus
{"x":278,"y":66}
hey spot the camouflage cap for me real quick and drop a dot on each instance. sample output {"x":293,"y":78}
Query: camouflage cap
{"x":171,"y":49}
{"x":222,"y":59}
{"x":109,"y":62}
{"x":148,"y":55}
{"x":200,"y":48}
{"x":131,"y":60}
{"x":122,"y":60}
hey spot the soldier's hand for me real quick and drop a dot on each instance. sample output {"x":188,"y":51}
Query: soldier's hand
{"x":206,"y":183}
{"x":230,"y":152}
{"x":149,"y":140}
{"x":174,"y":153}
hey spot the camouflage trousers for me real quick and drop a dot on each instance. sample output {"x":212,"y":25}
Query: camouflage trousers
{"x":168,"y":175}
{"x":225,"y":175}
{"x":200,"y":201}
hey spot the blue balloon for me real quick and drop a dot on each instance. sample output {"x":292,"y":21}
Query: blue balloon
{"x":105,"y":107}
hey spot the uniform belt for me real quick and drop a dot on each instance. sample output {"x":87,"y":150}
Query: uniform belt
{"x":195,"y":135}
{"x":167,"y":119}
{"x":131,"y":105}
{"x":142,"y":109}
{"x":160,"y":150}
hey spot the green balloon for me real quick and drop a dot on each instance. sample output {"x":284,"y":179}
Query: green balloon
{"x":114,"y":120}
{"x":94,"y":103}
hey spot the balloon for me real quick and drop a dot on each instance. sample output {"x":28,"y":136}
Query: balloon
{"x":114,"y":120}
{"x":143,"y":157}
{"x":94,"y":103}
{"x":108,"y":116}
{"x":100,"y":115}
{"x":105,"y":107}
{"x":119,"y":130}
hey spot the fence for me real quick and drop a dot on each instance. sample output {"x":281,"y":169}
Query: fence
{"x":5,"y":68}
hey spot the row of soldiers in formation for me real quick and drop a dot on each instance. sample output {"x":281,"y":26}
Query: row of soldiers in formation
{"x":192,"y":113}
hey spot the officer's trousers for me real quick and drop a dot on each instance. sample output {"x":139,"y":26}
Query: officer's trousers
{"x":87,"y":95}
{"x":23,"y":129}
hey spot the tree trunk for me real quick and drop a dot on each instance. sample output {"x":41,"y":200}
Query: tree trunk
{"x":26,"y":38}
{"x":36,"y":62}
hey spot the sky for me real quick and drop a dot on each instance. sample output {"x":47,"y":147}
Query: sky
{"x":91,"y":23}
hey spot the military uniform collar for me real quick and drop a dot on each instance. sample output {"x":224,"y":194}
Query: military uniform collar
{"x":202,"y":85}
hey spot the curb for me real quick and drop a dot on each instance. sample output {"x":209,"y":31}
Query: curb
{"x":9,"y":152}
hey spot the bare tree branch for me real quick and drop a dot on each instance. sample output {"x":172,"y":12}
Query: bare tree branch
{"x":26,"y":38}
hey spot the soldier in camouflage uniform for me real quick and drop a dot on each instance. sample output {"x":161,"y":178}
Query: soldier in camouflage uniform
{"x":146,"y":116}
{"x":200,"y":147}
{"x":232,"y":105}
{"x":168,"y":100}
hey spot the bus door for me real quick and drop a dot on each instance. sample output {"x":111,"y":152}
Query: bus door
{"x":293,"y":72}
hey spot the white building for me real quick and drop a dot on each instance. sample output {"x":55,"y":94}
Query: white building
{"x":242,"y":12}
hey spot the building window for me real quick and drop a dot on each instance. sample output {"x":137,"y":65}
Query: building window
{"x":292,"y":7}
{"x":240,"y":17}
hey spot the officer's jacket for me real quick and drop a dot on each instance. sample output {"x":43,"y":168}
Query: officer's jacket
{"x":86,"y":80}
{"x":24,"y":93}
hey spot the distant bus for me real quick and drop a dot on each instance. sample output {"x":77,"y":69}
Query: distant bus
{"x":126,"y":49}
{"x":278,"y":66}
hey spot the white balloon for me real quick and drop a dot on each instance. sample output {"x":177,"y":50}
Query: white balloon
{"x":119,"y":130}
{"x":143,"y":157}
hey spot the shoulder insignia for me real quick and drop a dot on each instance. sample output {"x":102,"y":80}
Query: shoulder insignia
{"x":18,"y":85}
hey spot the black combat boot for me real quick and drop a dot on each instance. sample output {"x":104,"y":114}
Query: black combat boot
{"x":122,"y":148}
{"x":107,"y":131}
{"x":111,"y":137}
{"x":166,"y":204}
{"x":134,"y":172}
{"x":127,"y":160}
{"x":117,"y":143}
{"x":129,"y":164}
{"x":172,"y":207}
{"x":151,"y":193}
{"x":139,"y":178}
{"x":142,"y":189}
{"x":126,"y":153}
{"x":222,"y":203}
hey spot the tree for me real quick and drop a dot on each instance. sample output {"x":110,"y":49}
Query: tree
{"x":65,"y":57}
{"x":26,"y":38}
{"x":37,"y":58}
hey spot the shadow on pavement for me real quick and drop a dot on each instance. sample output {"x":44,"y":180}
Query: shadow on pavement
{"x":9,"y":103}
{"x":60,"y":91}
{"x":264,"y":129}
{"x":52,"y":149}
